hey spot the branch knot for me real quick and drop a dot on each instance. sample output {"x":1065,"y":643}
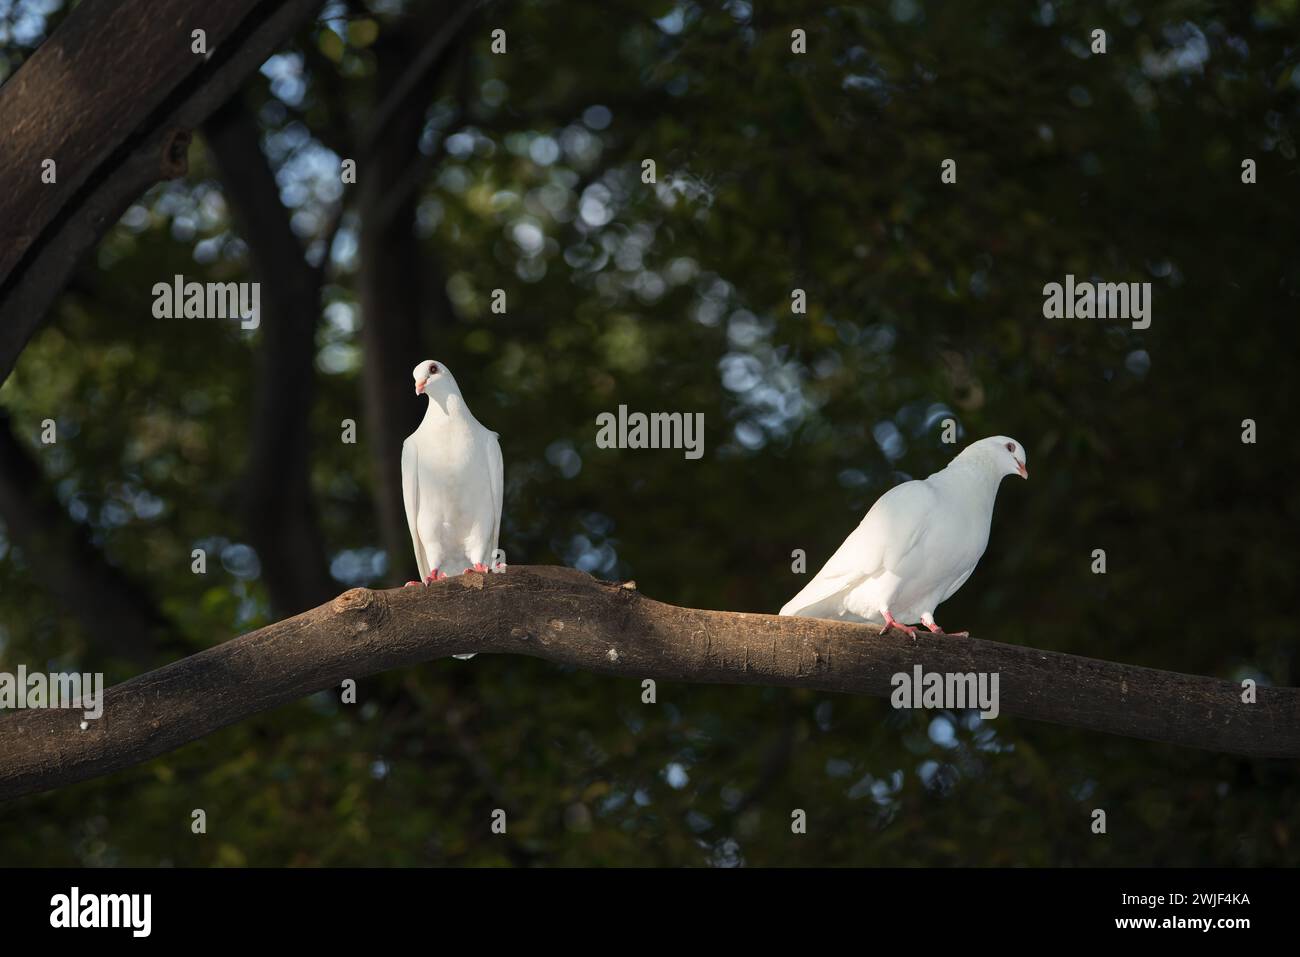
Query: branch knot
{"x":174,"y":162}
{"x":370,"y":606}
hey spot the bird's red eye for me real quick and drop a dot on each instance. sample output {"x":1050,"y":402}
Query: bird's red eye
{"x":433,"y":368}
{"x":1011,"y":446}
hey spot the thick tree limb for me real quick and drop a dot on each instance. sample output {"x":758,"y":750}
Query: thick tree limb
{"x":569,"y":618}
{"x":111,"y":97}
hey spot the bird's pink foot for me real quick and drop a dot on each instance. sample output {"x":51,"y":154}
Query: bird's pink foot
{"x":434,"y":576}
{"x":934,"y":628}
{"x":478,"y":567}
{"x":892,"y":622}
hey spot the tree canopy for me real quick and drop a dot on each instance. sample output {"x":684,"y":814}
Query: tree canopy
{"x":775,"y":171}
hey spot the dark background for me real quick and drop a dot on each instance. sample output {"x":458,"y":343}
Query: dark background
{"x":775,"y":172}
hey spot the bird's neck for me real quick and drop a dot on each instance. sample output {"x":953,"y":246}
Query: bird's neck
{"x":975,"y":478}
{"x":440,"y":408}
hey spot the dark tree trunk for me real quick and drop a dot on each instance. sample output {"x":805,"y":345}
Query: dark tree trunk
{"x":116,"y":613}
{"x":389,"y":285}
{"x":276,"y":493}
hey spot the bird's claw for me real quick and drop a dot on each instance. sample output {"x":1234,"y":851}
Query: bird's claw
{"x":936,"y":630}
{"x":897,"y":626}
{"x":434,"y":576}
{"x":892,"y":622}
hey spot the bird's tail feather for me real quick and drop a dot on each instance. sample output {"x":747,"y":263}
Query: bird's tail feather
{"x":823,"y":606}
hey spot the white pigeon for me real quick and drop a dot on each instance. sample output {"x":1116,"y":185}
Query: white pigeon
{"x":917,"y":545}
{"x":451,"y":481}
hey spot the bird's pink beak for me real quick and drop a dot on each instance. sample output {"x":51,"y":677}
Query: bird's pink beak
{"x":419,"y":386}
{"x":1020,"y":467}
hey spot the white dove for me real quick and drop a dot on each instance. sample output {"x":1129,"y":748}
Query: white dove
{"x":451,"y":481}
{"x":917,"y":545}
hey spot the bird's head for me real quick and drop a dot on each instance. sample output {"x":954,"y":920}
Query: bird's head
{"x":431,"y":376}
{"x":1002,"y":454}
{"x":1008,"y":455}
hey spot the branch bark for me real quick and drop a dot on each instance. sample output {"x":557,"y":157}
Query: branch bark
{"x":569,"y":618}
{"x":111,"y":97}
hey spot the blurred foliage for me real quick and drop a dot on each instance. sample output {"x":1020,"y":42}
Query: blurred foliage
{"x":775,"y":172}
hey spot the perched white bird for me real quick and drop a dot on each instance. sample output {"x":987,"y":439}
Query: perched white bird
{"x":917,"y":545}
{"x":451,"y":481}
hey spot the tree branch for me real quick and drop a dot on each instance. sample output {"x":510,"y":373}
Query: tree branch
{"x":111,"y":97}
{"x":570,"y":618}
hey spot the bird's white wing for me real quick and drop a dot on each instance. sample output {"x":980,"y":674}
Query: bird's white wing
{"x":411,"y":498}
{"x":496,"y":476}
{"x":892,"y":528}
{"x":952,"y":589}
